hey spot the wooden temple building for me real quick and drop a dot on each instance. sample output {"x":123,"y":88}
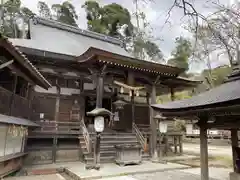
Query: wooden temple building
{"x":17,"y":77}
{"x":88,"y":69}
{"x":217,"y":108}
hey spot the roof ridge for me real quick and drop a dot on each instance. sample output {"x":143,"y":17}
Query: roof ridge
{"x":55,"y":24}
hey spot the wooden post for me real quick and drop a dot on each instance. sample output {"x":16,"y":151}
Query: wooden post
{"x":234,"y":140}
{"x":130,"y":81}
{"x":133,"y":107}
{"x":57,"y":106}
{"x":180,"y":144}
{"x":99,"y":91}
{"x":204,"y":151}
{"x":30,"y":99}
{"x":172,"y":94}
{"x":13,"y":94}
{"x":98,"y":135}
{"x":175,"y":144}
{"x":153,"y":125}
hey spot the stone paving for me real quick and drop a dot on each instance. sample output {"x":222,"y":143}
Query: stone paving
{"x":186,"y":174}
{"x":168,"y":175}
{"x":39,"y":177}
{"x":113,"y":170}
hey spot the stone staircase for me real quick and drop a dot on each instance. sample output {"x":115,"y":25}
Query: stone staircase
{"x":107,"y":149}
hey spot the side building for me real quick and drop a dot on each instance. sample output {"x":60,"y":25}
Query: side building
{"x":81,"y":64}
{"x":17,"y":77}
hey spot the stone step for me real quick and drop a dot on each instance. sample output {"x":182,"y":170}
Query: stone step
{"x":102,"y":154}
{"x":112,"y":138}
{"x":107,"y":159}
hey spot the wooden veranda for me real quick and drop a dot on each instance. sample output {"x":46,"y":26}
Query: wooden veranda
{"x":217,"y":108}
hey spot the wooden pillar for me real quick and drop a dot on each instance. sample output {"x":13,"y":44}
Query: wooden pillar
{"x":57,"y":105}
{"x":130,"y":81}
{"x":99,"y":91}
{"x":204,"y":151}
{"x":56,"y":118}
{"x":234,"y":140}
{"x":153,"y":125}
{"x":98,"y":105}
{"x":13,"y":94}
{"x":175,"y":144}
{"x":172,"y":94}
{"x":30,"y":99}
{"x":180,"y":144}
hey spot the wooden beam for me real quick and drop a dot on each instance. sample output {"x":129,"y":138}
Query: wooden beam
{"x":204,"y":151}
{"x":6,"y":64}
{"x":234,"y":140}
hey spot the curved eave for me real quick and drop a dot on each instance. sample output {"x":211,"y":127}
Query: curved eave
{"x":94,"y":54}
{"x":226,"y":94}
{"x":24,"y":64}
{"x":213,"y":109}
{"x":180,"y":83}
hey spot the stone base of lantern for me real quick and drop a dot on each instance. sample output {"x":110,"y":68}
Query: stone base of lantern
{"x":234,"y":176}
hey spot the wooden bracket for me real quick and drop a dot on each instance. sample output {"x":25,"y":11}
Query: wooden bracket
{"x":103,"y":70}
{"x":157,"y":79}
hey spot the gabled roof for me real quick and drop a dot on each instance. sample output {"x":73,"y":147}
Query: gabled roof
{"x":227,"y":93}
{"x":56,"y":37}
{"x":22,"y":63}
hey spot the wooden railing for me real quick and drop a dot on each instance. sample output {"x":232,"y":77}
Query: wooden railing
{"x":20,"y":106}
{"x":87,"y":137}
{"x":139,"y":135}
{"x":58,"y":127}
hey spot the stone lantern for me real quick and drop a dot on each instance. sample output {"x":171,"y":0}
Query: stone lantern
{"x":99,"y":115}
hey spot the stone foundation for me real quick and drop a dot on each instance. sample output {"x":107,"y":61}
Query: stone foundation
{"x":234,"y":176}
{"x":68,"y":155}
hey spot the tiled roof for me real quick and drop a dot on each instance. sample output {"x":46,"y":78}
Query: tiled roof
{"x":27,"y":62}
{"x":229,"y":91}
{"x":68,"y":40}
{"x":17,"y":121}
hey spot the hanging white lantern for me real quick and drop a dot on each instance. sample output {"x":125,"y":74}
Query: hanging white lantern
{"x":41,"y":115}
{"x":121,"y":90}
{"x":99,"y":123}
{"x":130,"y":93}
{"x":137,"y":93}
{"x":189,"y":129}
{"x":163,"y":126}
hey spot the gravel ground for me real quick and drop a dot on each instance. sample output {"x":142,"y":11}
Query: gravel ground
{"x":168,"y":175}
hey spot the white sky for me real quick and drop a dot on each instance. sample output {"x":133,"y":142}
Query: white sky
{"x":156,"y":14}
